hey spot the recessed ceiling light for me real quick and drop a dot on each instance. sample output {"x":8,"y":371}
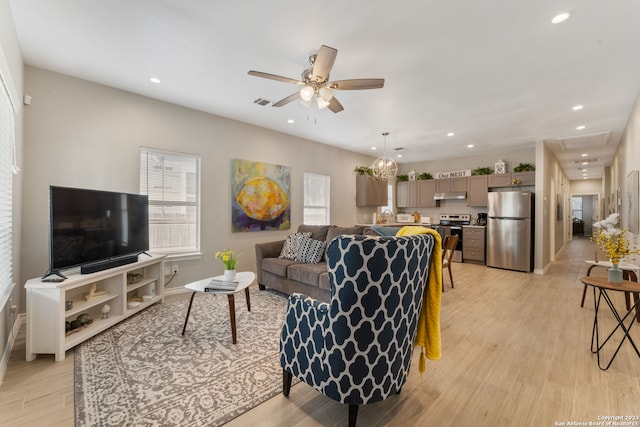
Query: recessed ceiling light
{"x":585,"y":163}
{"x":450,"y":134}
{"x":154,"y":80}
{"x":584,"y":154}
{"x":291,"y":121}
{"x":399,"y":155}
{"x":470,"y":146}
{"x":561,"y":17}
{"x":581,"y":127}
{"x":373,"y":148}
{"x":584,"y":177}
{"x":577,"y":107}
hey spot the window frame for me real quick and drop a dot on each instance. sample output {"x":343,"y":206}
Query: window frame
{"x":326,"y":207}
{"x":194,"y":250}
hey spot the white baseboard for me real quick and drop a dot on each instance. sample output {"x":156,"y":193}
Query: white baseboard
{"x":176,"y":290}
{"x":20,"y":319}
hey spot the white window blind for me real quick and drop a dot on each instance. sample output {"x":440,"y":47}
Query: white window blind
{"x":6,"y":195}
{"x":317,"y":196}
{"x":172,"y":182}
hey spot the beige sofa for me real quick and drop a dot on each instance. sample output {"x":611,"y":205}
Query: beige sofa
{"x":289,"y":276}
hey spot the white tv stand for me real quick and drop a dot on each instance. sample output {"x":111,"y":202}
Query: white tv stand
{"x":46,"y":314}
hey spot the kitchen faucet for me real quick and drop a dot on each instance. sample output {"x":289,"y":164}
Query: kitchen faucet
{"x":384,"y":215}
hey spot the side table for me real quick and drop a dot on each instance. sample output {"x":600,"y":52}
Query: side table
{"x":245,"y":279}
{"x":601,"y":287}
{"x":629,"y":272}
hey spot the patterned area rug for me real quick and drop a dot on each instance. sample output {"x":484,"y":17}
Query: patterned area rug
{"x":142,"y":372}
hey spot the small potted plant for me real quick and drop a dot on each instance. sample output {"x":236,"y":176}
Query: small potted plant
{"x":524,"y":167}
{"x":402,"y":178}
{"x":363,"y":170}
{"x":229,"y":260}
{"x":425,"y":175}
{"x":482,"y":171}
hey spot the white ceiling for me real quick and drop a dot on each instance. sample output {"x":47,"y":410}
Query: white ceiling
{"x":497,"y":73}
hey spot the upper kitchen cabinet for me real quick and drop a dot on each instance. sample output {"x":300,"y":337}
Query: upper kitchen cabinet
{"x":500,"y":180}
{"x":512,"y":179}
{"x":426,"y":193}
{"x":370,"y":191}
{"x":451,"y":184}
{"x":477,"y":190}
{"x":406,"y":194}
{"x":523,"y":178}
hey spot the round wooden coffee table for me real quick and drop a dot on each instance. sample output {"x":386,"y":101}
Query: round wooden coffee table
{"x":244,"y":278}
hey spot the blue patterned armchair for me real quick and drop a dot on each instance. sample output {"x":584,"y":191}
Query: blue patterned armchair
{"x":357,"y":349}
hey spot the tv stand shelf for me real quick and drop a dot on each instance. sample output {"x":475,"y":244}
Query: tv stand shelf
{"x":47,"y":317}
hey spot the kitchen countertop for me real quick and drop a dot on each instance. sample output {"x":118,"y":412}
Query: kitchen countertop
{"x":475,"y":226}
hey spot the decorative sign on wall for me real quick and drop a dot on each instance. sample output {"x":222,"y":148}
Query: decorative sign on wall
{"x":453,"y":174}
{"x":260,"y":195}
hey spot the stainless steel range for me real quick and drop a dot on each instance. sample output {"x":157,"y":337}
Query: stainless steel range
{"x":451,"y":224}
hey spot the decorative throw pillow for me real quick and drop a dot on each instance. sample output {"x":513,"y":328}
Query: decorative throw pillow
{"x":311,"y":251}
{"x":292,"y":245}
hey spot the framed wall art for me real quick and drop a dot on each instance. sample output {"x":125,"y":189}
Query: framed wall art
{"x":260,"y":196}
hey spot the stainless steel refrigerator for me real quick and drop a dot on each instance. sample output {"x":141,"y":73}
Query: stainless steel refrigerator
{"x":510,"y":230}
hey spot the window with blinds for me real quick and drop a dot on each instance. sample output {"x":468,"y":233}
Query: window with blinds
{"x":317,"y":196}
{"x":6,"y":195}
{"x":172,"y":182}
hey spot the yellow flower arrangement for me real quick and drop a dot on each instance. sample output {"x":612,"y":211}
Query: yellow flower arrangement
{"x":229,"y":259}
{"x":613,"y":241}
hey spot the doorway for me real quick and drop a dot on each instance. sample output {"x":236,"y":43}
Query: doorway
{"x":584,"y":212}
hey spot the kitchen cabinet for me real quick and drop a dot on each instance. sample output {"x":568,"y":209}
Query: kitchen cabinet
{"x":507,"y":179}
{"x":426,"y":191}
{"x":473,"y":244}
{"x":477,"y":190}
{"x":416,"y":194}
{"x":370,"y":191}
{"x":524,"y":178}
{"x":446,"y":185}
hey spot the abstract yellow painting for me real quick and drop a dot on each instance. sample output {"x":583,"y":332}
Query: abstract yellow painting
{"x":260,"y":196}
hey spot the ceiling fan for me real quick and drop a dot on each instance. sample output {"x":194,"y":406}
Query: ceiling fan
{"x":315,"y":81}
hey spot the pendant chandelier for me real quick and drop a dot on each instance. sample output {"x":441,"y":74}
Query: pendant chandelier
{"x":384,"y":167}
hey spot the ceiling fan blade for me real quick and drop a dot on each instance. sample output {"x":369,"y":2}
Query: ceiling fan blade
{"x":275,"y":77}
{"x":334,"y":105}
{"x":356,"y":84}
{"x":286,"y":100}
{"x":325,"y":58}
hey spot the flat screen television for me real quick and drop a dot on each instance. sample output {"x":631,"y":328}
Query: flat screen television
{"x":92,"y":227}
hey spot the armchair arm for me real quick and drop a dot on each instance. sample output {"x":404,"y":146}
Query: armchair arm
{"x":266,"y":250}
{"x":302,"y":347}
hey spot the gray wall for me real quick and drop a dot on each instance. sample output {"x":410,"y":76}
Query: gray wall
{"x":81,"y":134}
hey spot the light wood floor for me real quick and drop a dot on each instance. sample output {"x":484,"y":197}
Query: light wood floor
{"x":515,"y":353}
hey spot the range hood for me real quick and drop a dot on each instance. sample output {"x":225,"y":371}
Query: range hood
{"x":451,"y":195}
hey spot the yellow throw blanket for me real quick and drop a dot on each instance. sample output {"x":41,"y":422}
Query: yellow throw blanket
{"x":428,"y":336}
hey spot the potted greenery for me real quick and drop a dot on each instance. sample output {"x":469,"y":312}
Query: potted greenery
{"x":363,"y":170}
{"x":402,"y":178}
{"x":425,"y":175}
{"x":524,"y":167}
{"x":482,"y":171}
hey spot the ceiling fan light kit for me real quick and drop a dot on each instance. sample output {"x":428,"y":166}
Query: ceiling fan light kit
{"x":315,"y":81}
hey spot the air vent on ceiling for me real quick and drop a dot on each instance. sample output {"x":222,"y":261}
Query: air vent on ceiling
{"x":583,"y":161}
{"x":599,"y":139}
{"x":398,"y":149}
{"x":261,"y":101}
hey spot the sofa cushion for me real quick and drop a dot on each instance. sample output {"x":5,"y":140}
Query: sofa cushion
{"x":292,"y":245}
{"x":277,"y":265}
{"x":306,"y":273}
{"x":323,"y":281}
{"x":311,"y":251}
{"x":337,"y":231}
{"x":318,"y":232}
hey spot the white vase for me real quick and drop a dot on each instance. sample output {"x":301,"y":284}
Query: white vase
{"x":614,"y":275}
{"x":229,"y":275}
